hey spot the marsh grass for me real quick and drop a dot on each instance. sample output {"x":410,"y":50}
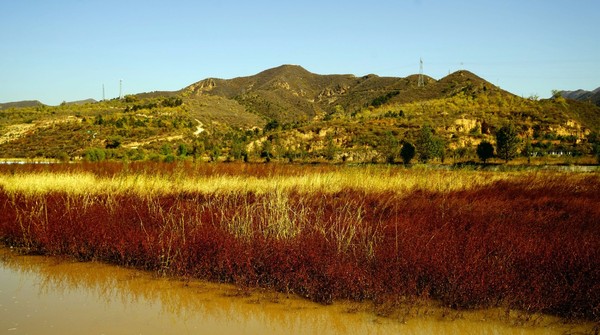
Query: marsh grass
{"x":301,"y":179}
{"x":469,"y":239}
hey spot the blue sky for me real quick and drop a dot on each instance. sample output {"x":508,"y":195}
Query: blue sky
{"x":65,"y":50}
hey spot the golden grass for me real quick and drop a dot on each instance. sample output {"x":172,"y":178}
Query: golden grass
{"x":368,"y":179}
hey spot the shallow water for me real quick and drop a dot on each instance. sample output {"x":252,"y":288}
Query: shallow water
{"x":44,"y":295}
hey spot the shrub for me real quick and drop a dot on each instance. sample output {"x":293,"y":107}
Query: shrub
{"x":94,"y":155}
{"x":113,"y":142}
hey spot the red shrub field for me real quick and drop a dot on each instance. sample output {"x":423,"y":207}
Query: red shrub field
{"x":530,"y":241}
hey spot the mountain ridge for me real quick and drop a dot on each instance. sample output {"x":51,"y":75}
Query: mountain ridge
{"x":583,"y":95}
{"x":290,"y":93}
{"x":297,"y":113}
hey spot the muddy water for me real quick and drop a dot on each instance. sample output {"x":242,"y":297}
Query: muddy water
{"x":43,"y":295}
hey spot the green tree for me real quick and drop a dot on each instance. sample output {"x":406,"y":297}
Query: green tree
{"x":594,"y":141}
{"x":485,"y":151}
{"x":267,"y":151}
{"x":214,"y":152}
{"x":198,"y":149}
{"x":507,"y":142}
{"x":407,"y":152}
{"x":113,"y":142}
{"x":94,"y":155}
{"x":462,"y":152}
{"x":99,"y":120}
{"x":63,"y":156}
{"x":439,"y":148}
{"x":330,"y":149}
{"x":169,"y":158}
{"x":556,"y":94}
{"x":428,"y":145}
{"x":390,"y":148}
{"x":290,"y":154}
{"x":272,"y":125}
{"x":182,"y":150}
{"x":528,"y":149}
{"x":165,"y":149}
{"x":238,"y":149}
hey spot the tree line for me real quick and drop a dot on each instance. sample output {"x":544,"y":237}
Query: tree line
{"x":429,"y":146}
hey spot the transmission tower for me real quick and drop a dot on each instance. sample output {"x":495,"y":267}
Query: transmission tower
{"x":421,"y":82}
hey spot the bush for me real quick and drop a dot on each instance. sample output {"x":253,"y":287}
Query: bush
{"x":94,"y":155}
{"x":63,"y":156}
{"x":113,"y":142}
{"x":169,"y":159}
{"x":182,"y":150}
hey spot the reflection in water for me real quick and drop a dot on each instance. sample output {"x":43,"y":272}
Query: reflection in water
{"x":43,"y":295}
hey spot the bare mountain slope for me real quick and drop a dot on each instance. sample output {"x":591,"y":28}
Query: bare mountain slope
{"x":583,"y":95}
{"x":290,"y":93}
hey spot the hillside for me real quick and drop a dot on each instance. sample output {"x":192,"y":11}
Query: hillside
{"x":290,"y":93}
{"x":290,"y":113}
{"x":287,"y":93}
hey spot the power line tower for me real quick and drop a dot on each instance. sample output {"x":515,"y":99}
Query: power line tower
{"x":421,"y":82}
{"x":120,"y":89}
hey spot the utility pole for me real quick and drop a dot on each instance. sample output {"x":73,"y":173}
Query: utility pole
{"x":421,"y":82}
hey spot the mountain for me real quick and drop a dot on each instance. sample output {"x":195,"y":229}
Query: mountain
{"x":286,"y":93}
{"x":20,"y":104}
{"x":288,"y":111}
{"x":583,"y":95}
{"x":36,"y":103}
{"x":290,"y":93}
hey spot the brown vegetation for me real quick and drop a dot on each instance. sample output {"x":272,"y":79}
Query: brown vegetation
{"x":529,"y":241}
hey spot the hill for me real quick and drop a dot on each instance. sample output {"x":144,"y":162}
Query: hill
{"x":582,"y":95}
{"x":290,"y":113}
{"x":287,"y":93}
{"x":20,"y":104}
{"x":290,"y":93}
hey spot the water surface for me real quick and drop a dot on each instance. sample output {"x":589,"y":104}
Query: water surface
{"x":45,"y":295}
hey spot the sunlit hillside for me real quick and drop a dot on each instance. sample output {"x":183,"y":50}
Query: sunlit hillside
{"x":288,"y":113}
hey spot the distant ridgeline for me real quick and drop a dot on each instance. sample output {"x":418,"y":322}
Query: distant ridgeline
{"x":20,"y":104}
{"x":582,"y":95}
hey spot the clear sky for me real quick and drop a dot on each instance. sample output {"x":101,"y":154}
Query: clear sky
{"x":65,"y":50}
